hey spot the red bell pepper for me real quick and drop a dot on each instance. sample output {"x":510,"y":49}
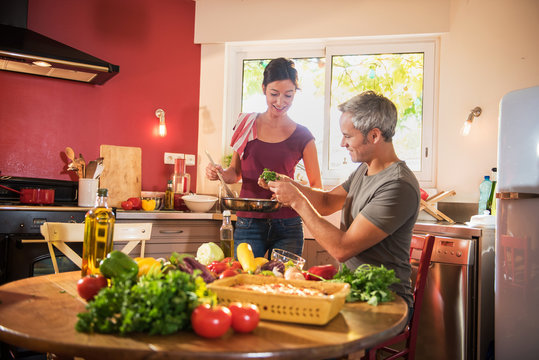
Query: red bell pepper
{"x":320,"y":272}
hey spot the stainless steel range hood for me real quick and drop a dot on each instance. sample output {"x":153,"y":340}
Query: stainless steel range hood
{"x":26,"y":51}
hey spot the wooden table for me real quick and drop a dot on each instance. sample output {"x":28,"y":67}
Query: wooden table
{"x":39,"y":314}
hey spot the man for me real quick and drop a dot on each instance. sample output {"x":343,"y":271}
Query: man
{"x":379,"y":201}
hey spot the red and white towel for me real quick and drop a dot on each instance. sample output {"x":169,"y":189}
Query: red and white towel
{"x":244,"y":131}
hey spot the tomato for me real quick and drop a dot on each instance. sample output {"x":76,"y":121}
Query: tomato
{"x":245,"y":317}
{"x":228,"y":273}
{"x":89,"y":286}
{"x":217,"y":267}
{"x":127,"y":205}
{"x":235,"y":265}
{"x":137,"y":203}
{"x":211,"y":322}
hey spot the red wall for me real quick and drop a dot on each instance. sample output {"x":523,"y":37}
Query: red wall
{"x":152,"y":42}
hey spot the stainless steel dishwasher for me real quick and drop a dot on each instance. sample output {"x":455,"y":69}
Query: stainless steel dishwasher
{"x":447,"y":325}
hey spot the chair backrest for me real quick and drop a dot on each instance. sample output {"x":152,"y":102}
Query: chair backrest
{"x":60,"y":234}
{"x":425,"y":244}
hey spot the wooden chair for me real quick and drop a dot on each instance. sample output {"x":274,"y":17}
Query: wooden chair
{"x":409,"y":335}
{"x":60,"y":234}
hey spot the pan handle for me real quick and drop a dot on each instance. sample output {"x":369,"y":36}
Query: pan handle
{"x":8,"y":188}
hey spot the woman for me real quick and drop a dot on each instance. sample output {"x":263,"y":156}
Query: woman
{"x":270,"y":140}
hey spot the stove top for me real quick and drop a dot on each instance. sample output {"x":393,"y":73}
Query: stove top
{"x":65,"y":192}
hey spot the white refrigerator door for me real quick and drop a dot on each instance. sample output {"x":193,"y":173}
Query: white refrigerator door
{"x":517,"y":228}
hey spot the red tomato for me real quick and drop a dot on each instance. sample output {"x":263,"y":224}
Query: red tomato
{"x":89,"y":286}
{"x":211,"y":322}
{"x":245,"y":317}
{"x":127,"y":205}
{"x":235,"y":265}
{"x":217,"y":267}
{"x":228,"y":273}
{"x":137,"y":203}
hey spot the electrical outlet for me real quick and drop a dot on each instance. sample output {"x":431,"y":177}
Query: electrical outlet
{"x":170,"y":157}
{"x":190,"y":159}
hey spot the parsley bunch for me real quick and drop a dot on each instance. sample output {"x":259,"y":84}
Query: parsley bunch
{"x":368,"y":283}
{"x":268,"y":175}
{"x":155,"y":304}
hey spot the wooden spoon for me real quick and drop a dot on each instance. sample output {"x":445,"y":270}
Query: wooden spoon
{"x":227,"y":189}
{"x":70,"y":153}
{"x":90,"y":169}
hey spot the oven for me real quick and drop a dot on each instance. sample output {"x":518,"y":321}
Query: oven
{"x":20,"y":258}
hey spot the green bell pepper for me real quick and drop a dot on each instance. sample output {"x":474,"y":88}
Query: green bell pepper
{"x":119,"y":266}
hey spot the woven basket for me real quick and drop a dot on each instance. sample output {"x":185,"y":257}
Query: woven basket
{"x":317,"y":310}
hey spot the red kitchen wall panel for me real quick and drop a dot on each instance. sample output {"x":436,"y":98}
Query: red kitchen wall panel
{"x":152,"y":42}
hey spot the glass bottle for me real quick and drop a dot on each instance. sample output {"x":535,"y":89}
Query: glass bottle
{"x":492,"y":197}
{"x":98,"y":234}
{"x":181,"y":184}
{"x":226,"y":235}
{"x":484,"y":194}
{"x":169,"y":196}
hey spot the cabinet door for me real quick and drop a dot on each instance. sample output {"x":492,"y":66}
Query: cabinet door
{"x":181,"y":236}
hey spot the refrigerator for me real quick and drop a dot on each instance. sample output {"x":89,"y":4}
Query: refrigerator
{"x":516,"y":299}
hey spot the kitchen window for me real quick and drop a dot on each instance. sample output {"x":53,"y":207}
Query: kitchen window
{"x":332,"y":72}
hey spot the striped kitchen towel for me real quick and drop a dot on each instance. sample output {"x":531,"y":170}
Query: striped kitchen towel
{"x":244,"y":131}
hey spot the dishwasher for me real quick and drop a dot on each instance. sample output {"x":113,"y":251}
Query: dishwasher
{"x":447,"y":325}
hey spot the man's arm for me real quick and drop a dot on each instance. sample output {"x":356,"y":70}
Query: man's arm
{"x":342,"y":245}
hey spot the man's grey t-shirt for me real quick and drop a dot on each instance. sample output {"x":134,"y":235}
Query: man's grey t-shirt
{"x":390,"y":200}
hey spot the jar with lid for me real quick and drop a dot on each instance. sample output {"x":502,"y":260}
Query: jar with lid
{"x":181,"y":184}
{"x":98,"y":234}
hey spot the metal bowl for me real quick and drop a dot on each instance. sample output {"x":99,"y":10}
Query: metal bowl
{"x":247,"y":204}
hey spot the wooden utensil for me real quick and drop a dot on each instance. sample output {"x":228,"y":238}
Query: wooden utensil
{"x":90,"y":169}
{"x":70,"y":153}
{"x":229,"y":192}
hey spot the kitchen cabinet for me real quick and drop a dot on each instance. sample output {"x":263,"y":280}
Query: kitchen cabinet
{"x":183,"y":236}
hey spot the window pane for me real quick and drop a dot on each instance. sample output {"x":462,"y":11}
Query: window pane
{"x":398,"y":77}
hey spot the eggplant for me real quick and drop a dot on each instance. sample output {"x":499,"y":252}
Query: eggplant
{"x":270,"y":265}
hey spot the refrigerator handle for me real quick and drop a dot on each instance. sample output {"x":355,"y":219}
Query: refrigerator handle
{"x":515,"y":195}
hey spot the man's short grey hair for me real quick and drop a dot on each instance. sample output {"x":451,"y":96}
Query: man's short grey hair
{"x":370,"y":110}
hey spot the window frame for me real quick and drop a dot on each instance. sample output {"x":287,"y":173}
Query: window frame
{"x":236,"y":53}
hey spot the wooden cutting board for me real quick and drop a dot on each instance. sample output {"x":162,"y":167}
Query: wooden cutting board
{"x":121,"y":172}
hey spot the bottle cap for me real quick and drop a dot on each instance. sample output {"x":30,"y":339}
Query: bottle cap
{"x":102,"y":192}
{"x":226,"y":213}
{"x":487,"y":177}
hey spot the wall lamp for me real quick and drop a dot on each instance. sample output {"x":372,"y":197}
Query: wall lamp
{"x":160,"y":113}
{"x":476,"y":111}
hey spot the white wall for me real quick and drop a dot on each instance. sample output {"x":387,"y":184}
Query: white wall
{"x":488,"y":48}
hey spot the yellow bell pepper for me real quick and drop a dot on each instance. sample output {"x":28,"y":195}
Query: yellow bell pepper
{"x":246,"y":257}
{"x":146,"y":264}
{"x":148,"y":205}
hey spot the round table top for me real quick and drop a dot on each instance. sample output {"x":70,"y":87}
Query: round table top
{"x":39,"y":313}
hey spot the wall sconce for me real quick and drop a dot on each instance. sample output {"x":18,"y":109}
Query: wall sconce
{"x":476,"y":111}
{"x":160,"y":113}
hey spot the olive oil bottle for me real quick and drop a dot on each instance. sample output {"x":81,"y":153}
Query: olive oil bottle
{"x":98,"y":234}
{"x":226,"y":236}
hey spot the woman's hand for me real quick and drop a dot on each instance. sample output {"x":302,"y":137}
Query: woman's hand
{"x":211,"y":171}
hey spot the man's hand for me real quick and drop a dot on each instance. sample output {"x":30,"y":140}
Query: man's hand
{"x":263,"y":184}
{"x":285,"y":192}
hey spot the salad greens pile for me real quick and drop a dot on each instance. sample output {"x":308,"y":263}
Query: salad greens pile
{"x":368,"y":283}
{"x":268,"y":175}
{"x":155,"y":304}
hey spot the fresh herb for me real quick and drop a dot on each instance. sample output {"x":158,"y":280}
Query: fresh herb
{"x":368,"y":283}
{"x":268,"y":175}
{"x":160,"y":304}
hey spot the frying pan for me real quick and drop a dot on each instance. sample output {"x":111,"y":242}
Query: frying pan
{"x":34,"y":196}
{"x":248,"y":204}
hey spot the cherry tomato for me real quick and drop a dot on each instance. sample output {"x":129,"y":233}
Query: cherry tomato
{"x":89,"y":286}
{"x":228,"y":273}
{"x":211,"y":322}
{"x":245,"y":317}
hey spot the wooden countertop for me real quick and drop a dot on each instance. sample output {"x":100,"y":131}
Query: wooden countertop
{"x":39,"y":313}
